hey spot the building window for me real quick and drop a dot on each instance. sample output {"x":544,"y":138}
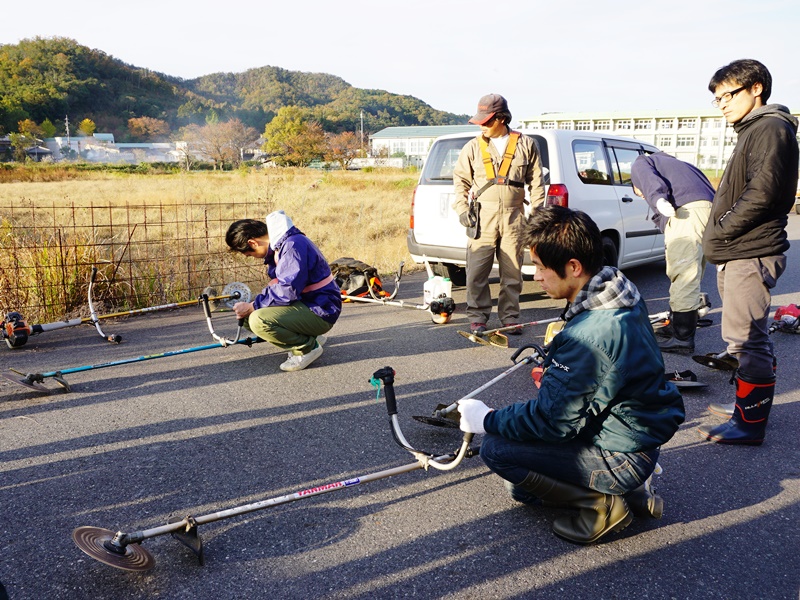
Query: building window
{"x":583,"y":125}
{"x":665,"y":123}
{"x":624,"y":124}
{"x":534,"y":125}
{"x":565,"y":124}
{"x":548,"y":125}
{"x":685,"y":141}
{"x":602,"y":125}
{"x":687,"y":123}
{"x":643,"y":124}
{"x":664,"y":141}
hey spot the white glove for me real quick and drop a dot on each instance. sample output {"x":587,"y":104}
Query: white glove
{"x":665,"y":208}
{"x":472,"y":414}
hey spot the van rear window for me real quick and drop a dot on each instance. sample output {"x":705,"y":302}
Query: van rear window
{"x":442,"y":160}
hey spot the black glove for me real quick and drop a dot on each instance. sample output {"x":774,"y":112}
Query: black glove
{"x":465,"y":219}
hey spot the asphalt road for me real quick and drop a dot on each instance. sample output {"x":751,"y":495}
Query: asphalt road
{"x":132,"y":445}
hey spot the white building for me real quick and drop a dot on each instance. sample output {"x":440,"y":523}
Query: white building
{"x":702,"y":137}
{"x":412,"y":143}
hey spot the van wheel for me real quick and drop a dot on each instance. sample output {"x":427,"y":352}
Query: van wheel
{"x":797,"y":208}
{"x":610,"y":252}
{"x":456,"y":274}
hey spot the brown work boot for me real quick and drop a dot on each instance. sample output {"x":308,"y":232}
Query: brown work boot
{"x":599,"y":514}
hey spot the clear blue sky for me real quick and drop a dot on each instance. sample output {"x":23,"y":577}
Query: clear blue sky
{"x":547,"y":55}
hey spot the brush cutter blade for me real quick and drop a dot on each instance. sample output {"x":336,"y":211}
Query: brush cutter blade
{"x":28,"y":383}
{"x":231,"y":288}
{"x":451,"y":419}
{"x":95,"y":541}
{"x":722,"y":361}
{"x":473,"y":337}
{"x":437,"y":421}
{"x":684,"y":379}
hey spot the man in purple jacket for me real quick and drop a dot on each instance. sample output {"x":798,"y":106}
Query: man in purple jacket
{"x":680,"y":196}
{"x":301,"y":302}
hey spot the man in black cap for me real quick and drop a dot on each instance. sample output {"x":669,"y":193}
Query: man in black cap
{"x":490,"y":178}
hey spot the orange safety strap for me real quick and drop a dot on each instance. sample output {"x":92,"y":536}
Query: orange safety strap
{"x":505,"y":165}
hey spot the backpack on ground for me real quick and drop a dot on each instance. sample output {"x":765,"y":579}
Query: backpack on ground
{"x":355,"y":278}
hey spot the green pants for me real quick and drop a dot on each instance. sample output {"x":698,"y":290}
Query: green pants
{"x":294,"y":327}
{"x":683,"y":239}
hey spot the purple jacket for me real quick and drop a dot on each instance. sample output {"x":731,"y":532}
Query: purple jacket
{"x":300,"y":264}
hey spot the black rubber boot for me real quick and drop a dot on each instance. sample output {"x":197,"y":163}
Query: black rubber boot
{"x":726,"y":410}
{"x":684,"y":325}
{"x":749,"y":421}
{"x":644,"y":502}
{"x":599,"y":514}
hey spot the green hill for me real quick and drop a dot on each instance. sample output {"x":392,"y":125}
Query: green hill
{"x":50,"y":78}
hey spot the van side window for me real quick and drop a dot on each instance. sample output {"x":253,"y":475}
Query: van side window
{"x":623,"y":160}
{"x":590,"y":161}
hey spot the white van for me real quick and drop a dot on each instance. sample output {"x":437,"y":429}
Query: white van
{"x":582,"y":170}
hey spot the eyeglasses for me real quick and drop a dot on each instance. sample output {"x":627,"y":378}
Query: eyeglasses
{"x":726,"y":97}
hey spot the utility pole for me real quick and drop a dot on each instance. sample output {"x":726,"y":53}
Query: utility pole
{"x":362,"y":134}
{"x":66,"y":126}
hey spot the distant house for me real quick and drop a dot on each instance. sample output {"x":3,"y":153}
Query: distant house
{"x":101,"y":147}
{"x":412,"y":143}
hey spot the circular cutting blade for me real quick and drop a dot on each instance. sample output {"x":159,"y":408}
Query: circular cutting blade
{"x":436,"y":421}
{"x":31,"y":385}
{"x":714,"y":361}
{"x":91,"y":540}
{"x":474,"y":338}
{"x":244,"y":293}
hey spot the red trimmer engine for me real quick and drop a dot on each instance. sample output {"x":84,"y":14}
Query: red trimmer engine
{"x":15,"y":330}
{"x":787,"y":318}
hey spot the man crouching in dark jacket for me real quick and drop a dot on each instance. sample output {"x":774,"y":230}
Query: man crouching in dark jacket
{"x":591,"y":438}
{"x":746,"y":239}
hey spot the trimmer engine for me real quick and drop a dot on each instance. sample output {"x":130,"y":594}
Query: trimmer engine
{"x":15,"y":330}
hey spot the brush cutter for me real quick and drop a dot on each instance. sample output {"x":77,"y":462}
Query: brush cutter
{"x":124,"y":550}
{"x":786,"y":319}
{"x":35,"y":381}
{"x":495,"y":337}
{"x":446,"y":415}
{"x":15,"y":331}
{"x":441,"y":308}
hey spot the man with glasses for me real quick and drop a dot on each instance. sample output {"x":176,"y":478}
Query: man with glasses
{"x":746,"y":239}
{"x":490,"y":178}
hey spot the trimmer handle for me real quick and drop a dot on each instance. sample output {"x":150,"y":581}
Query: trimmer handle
{"x":386,"y":374}
{"x":538,"y":351}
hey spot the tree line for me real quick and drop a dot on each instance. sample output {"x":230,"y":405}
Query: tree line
{"x":44,"y":81}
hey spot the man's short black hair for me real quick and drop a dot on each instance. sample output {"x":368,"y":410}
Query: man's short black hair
{"x":241,"y":231}
{"x":558,"y":234}
{"x":746,"y":72}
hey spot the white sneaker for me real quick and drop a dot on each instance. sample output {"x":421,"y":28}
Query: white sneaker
{"x":321,"y":339}
{"x":296,"y":362}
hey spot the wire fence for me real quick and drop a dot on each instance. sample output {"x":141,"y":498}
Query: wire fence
{"x":146,"y":255}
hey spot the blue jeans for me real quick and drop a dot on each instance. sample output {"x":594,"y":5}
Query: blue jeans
{"x":574,"y":461}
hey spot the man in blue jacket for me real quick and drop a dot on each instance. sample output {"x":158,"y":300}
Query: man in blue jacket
{"x":680,"y":196}
{"x":746,"y":238}
{"x":301,"y":302}
{"x":591,"y":438}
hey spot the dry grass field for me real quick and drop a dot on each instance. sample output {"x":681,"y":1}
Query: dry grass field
{"x":160,"y":238}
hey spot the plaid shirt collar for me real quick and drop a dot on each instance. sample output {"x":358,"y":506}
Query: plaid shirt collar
{"x":609,"y":289}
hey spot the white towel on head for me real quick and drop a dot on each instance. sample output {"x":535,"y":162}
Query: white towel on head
{"x":278,"y":223}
